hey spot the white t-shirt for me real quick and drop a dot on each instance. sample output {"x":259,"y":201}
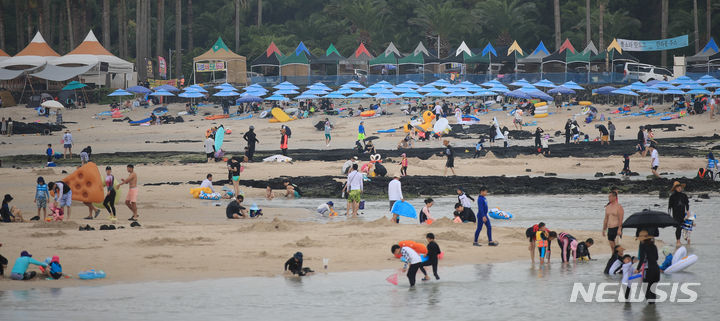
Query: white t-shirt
{"x":355,"y":181}
{"x":411,"y":257}
{"x":655,"y":158}
{"x":627,"y":271}
{"x":438,"y":109}
{"x":395,"y":190}
{"x":67,"y":139}
{"x":465,"y":201}
{"x":544,"y":143}
{"x":207,"y":183}
{"x":209,"y":145}
{"x":518,"y":114}
{"x":346,"y":166}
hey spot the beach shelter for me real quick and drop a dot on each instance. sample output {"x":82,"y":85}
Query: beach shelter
{"x":361,"y":57}
{"x":537,"y":55}
{"x":706,"y":54}
{"x":91,"y":52}
{"x":459,"y":55}
{"x":296,"y":63}
{"x":269,"y":58}
{"x":37,"y":53}
{"x":513,"y":51}
{"x":220,"y":58}
{"x":3,"y":55}
{"x":389,"y":57}
{"x":332,"y":57}
{"x":419,"y":56}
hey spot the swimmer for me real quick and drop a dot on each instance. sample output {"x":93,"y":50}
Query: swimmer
{"x":483,"y":219}
{"x":612,"y":223}
{"x":291,"y":190}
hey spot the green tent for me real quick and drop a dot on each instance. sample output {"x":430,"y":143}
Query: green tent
{"x":389,"y":57}
{"x":420,"y":56}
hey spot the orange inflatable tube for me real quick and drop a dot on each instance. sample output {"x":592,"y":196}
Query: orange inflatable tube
{"x":213,"y":117}
{"x":86,"y":184}
{"x":418,"y":247}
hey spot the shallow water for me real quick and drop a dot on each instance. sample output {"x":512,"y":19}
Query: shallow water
{"x":488,"y":291}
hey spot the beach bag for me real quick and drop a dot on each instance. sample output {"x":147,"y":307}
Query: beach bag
{"x":361,"y":206}
{"x":288,"y":131}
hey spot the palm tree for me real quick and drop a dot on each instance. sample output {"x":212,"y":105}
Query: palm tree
{"x":363,"y":16}
{"x":160,"y":29}
{"x":106,"y":23}
{"x":558,"y":36}
{"x":189,"y":22}
{"x":663,"y":27}
{"x":71,"y":37}
{"x":259,"y":14}
{"x":510,"y":19}
{"x":178,"y":38}
{"x":122,"y":28}
{"x":440,"y":20}
{"x":237,"y":25}
{"x":587,"y":22}
{"x":139,"y":40}
{"x":695,"y":23}
{"x":2,"y":27}
{"x":708,"y":24}
{"x":601,"y":23}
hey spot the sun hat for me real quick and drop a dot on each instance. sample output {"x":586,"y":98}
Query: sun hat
{"x":676,"y":184}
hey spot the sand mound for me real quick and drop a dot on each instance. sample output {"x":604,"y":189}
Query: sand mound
{"x":383,"y":221}
{"x":47,"y":234}
{"x":275,"y":225}
{"x":442,"y":222}
{"x":169,"y":241}
{"x":490,"y":155}
{"x":307,"y":242}
{"x":453,"y":236}
{"x":516,"y":234}
{"x":63,"y":225}
{"x":44,"y":171}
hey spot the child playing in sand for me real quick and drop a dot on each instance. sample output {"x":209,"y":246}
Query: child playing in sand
{"x":294,"y":265}
{"x":403,"y":165}
{"x":9,"y":214}
{"x":269,"y":195}
{"x":411,"y":258}
{"x":583,"y":250}
{"x":425,"y":212}
{"x":542,"y":242}
{"x":56,"y":213}
{"x":41,"y":196}
{"x":54,"y":268}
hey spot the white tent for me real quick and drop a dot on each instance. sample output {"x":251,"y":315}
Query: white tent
{"x":89,"y":53}
{"x":37,"y":53}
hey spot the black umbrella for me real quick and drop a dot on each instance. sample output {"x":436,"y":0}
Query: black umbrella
{"x":648,"y":219}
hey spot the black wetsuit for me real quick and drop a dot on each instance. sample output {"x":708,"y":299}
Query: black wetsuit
{"x":234,"y":208}
{"x":648,"y":253}
{"x":610,"y":262}
{"x":582,"y":250}
{"x":679,"y":204}
{"x":567,"y":133}
{"x":251,"y":139}
{"x":432,"y":257}
{"x":294,"y":266}
{"x":450,"y":163}
{"x":467,"y":215}
{"x":537,"y":137}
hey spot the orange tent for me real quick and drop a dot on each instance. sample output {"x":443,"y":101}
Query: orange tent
{"x":37,"y":53}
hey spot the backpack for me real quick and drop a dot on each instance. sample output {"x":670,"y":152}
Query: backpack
{"x":288,"y":131}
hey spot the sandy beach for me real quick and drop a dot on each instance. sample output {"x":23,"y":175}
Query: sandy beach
{"x":182,"y":238}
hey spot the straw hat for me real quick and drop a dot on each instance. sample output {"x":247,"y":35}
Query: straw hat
{"x":676,"y":184}
{"x":644,"y":235}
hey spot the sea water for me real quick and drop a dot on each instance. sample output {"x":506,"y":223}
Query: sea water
{"x":500,"y":291}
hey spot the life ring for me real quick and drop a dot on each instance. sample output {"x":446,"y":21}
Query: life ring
{"x":540,"y":104}
{"x":368,"y":113}
{"x":585,"y":103}
{"x":41,"y":110}
{"x":418,"y":247}
{"x":541,"y":115}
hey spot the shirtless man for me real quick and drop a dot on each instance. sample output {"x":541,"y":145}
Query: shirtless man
{"x":612,"y":225}
{"x":131,"y":200}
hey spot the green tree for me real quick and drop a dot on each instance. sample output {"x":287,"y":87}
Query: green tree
{"x":443,"y":19}
{"x":509,"y":20}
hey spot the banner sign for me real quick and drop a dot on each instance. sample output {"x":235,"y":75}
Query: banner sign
{"x":159,"y":82}
{"x":148,"y":63}
{"x":211,"y":66}
{"x":162,"y":67}
{"x":653,"y":45}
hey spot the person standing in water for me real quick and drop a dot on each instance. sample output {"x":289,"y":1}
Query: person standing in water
{"x":483,"y":219}
{"x":679,"y":204}
{"x":648,"y":254}
{"x":614,"y":214}
{"x":131,"y":200}
{"x":251,"y":139}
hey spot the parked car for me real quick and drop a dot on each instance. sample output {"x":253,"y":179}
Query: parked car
{"x":643,"y":72}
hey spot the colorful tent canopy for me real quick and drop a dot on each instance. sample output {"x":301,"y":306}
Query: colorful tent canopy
{"x":361,"y":56}
{"x":420,"y":56}
{"x":331,"y":57}
{"x":90,"y":52}
{"x":271,"y":57}
{"x":301,"y":56}
{"x":537,"y":55}
{"x":236,"y":64}
{"x":389,"y":57}
{"x":710,"y":49}
{"x":37,"y":53}
{"x":460,"y":54}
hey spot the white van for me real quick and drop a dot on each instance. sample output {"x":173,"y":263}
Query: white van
{"x":637,"y":71}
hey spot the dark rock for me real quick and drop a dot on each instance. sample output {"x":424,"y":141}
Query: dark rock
{"x":690,"y":127}
{"x":664,"y":193}
{"x":528,"y":170}
{"x":611,"y":174}
{"x":598,"y":174}
{"x":704,"y":196}
{"x":698,"y":201}
{"x":550,"y":174}
{"x":35,"y":128}
{"x":63,"y":172}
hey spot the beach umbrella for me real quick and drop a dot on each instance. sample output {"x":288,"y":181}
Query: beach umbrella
{"x":52,"y":104}
{"x":225,"y":86}
{"x":474,"y":88}
{"x":196,"y":88}
{"x":360,"y":95}
{"x":650,"y":90}
{"x":451,"y":89}
{"x":518,"y":94}
{"x":501,"y":90}
{"x":191,"y":94}
{"x":255,"y":86}
{"x":398,"y":89}
{"x":520,"y":83}
{"x":408,"y":84}
{"x":637,"y":86}
{"x":277,"y":98}
{"x":378,"y":90}
{"x":74,"y":85}
{"x":166,"y":87}
{"x":712,"y":84}
{"x":528,"y":87}
{"x":334,"y":95}
{"x":440,"y":83}
{"x":606,"y":90}
{"x":314,"y":92}
{"x":162,"y":93}
{"x":352,"y":84}
{"x":459,"y":93}
{"x":286,"y":85}
{"x":436,"y":93}
{"x":717,"y":92}
{"x":344,"y":91}
{"x":286,"y":92}
{"x":386,"y":95}
{"x":682,"y":80}
{"x":411,"y":94}
{"x":572,"y":85}
{"x":491,"y":83}
{"x":561,"y":90}
{"x":699,"y":92}
{"x":426,"y":89}
{"x":690,"y":87}
{"x":484,"y":93}
{"x":624,"y":92}
{"x":255,"y":93}
{"x":139,"y":90}
{"x":226,"y":93}
{"x":544,"y":84}
{"x":319,"y":85}
{"x":306,"y":96}
{"x":249,"y":99}
{"x":673,"y":92}
{"x":706,"y":79}
{"x":120,"y":92}
{"x":649,"y":219}
{"x":540,"y":95}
